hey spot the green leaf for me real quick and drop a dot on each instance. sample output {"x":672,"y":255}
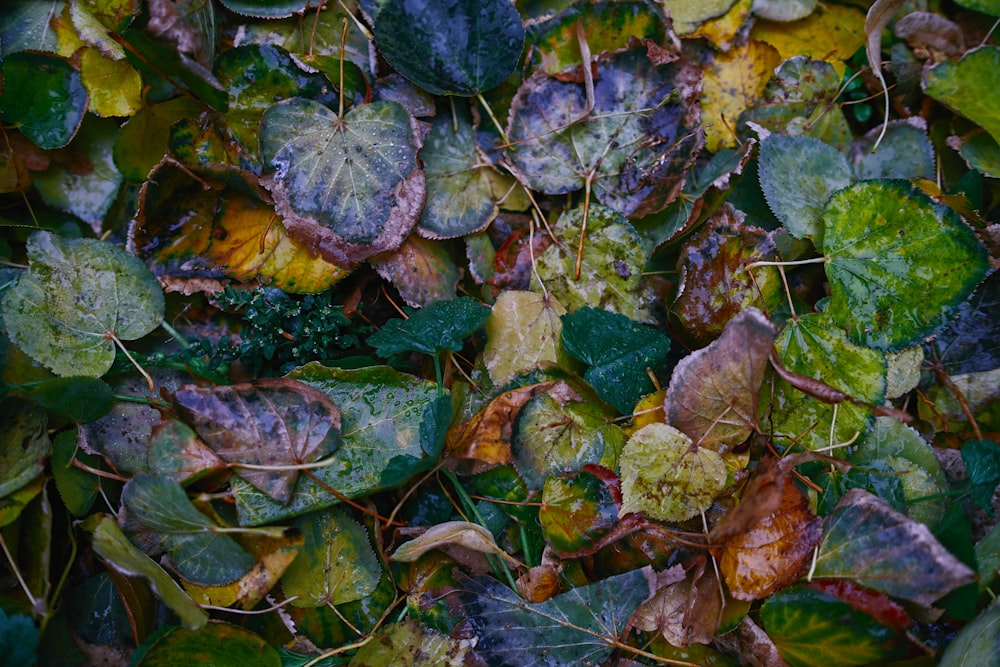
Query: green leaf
{"x":580,"y":626}
{"x":26,"y":26}
{"x":814,"y":629}
{"x":633,"y":149}
{"x":72,"y":399}
{"x":266,"y":9}
{"x":798,"y":175}
{"x":867,"y":542}
{"x":450,"y":47}
{"x":991,"y":7}
{"x":175,"y":452}
{"x":433,"y":429}
{"x":211,"y":644}
{"x":783,"y":10}
{"x":618,"y":352}
{"x":967,"y":87}
{"x":199,"y":553}
{"x":77,"y":296}
{"x":899,"y":267}
{"x":351,"y":187}
{"x":77,"y":488}
{"x":111,"y":544}
{"x":576,"y":511}
{"x":523,"y":333}
{"x":612,"y":264}
{"x":43,"y":97}
{"x":982,"y":463}
{"x":24,"y":444}
{"x":410,"y":643}
{"x":18,"y":639}
{"x":904,"y":152}
{"x":142,"y":141}
{"x":975,"y":645}
{"x":441,"y":326}
{"x":666,"y":476}
{"x":336,"y":564}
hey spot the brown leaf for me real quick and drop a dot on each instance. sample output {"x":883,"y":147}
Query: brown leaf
{"x":450,"y":534}
{"x":684,"y":611}
{"x":421,"y":270}
{"x":486,"y":437}
{"x":774,"y":551}
{"x":540,"y":583}
{"x":270,"y":422}
{"x":712,"y":396}
{"x":931,"y":36}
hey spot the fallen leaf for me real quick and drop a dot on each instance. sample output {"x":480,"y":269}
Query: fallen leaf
{"x":684,"y":612}
{"x":450,"y":534}
{"x":523,"y":333}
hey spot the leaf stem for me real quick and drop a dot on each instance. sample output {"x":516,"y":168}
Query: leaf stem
{"x":798,"y":262}
{"x":175,"y":335}
{"x":142,"y":371}
{"x":496,"y":123}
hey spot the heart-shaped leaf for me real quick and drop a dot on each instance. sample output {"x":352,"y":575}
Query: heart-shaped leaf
{"x":271,"y":422}
{"x":523,"y":333}
{"x":483,"y":44}
{"x":77,"y":297}
{"x":350,"y":186}
{"x":43,"y":97}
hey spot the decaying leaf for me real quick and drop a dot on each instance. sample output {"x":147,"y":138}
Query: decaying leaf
{"x":686,"y":607}
{"x":523,"y":334}
{"x":450,"y":534}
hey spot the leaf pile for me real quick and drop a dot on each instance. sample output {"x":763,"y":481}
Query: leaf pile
{"x":472,"y":332}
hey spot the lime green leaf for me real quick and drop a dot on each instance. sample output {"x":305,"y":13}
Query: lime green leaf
{"x":115,"y":88}
{"x":336,"y":564}
{"x":211,"y":644}
{"x":77,"y":488}
{"x":381,"y":413}
{"x":76,"y":296}
{"x":869,"y":543}
{"x":352,"y":186}
{"x":441,"y":326}
{"x":410,"y":643}
{"x":485,"y":38}
{"x":967,"y":87}
{"x":612,"y":263}
{"x":798,"y":175}
{"x":550,"y":438}
{"x":271,"y":422}
{"x":43,"y":97}
{"x":618,"y":352}
{"x":24,"y":444}
{"x":982,"y":462}
{"x":812,"y":346}
{"x":814,"y":629}
{"x":666,"y":476}
{"x":523,"y":333}
{"x":111,"y":544}
{"x":580,"y":626}
{"x":687,"y":15}
{"x":899,"y":267}
{"x":712,"y":395}
{"x":633,"y":150}
{"x":199,"y":553}
{"x":576,"y":511}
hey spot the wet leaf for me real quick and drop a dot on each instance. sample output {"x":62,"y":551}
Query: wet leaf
{"x":199,"y":552}
{"x":77,"y":296}
{"x":25,"y":444}
{"x":716,"y":281}
{"x":611,"y":265}
{"x":576,"y":511}
{"x":409,"y":643}
{"x":213,"y":643}
{"x":524,"y":332}
{"x":43,"y":97}
{"x":618,"y":351}
{"x":961,"y":85}
{"x":550,"y":439}
{"x":337,"y":564}
{"x":450,"y":534}
{"x":798,"y":175}
{"x":668,"y":477}
{"x":450,"y":47}
{"x":712,"y":395}
{"x":812,"y":346}
{"x":349,"y":187}
{"x":422,"y":271}
{"x":580,"y":625}
{"x":971,"y":343}
{"x":982,"y":463}
{"x":111,"y":545}
{"x":631,"y":149}
{"x":439,"y":327}
{"x":867,"y":542}
{"x":898,"y":268}
{"x":271,"y":422}
{"x":812,"y":628}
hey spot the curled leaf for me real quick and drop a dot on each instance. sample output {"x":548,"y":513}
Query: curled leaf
{"x":450,"y":533}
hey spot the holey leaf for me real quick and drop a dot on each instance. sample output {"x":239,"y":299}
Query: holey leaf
{"x":712,"y":396}
{"x":76,"y":298}
{"x":633,"y":147}
{"x":899,"y":267}
{"x":273,"y":422}
{"x":351,"y":186}
{"x":666,"y":476}
{"x":579,"y":627}
{"x":871,"y":544}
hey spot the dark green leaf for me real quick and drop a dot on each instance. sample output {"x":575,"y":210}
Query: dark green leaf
{"x":24,"y":444}
{"x":212,"y":644}
{"x":965,"y":86}
{"x":971,"y":343}
{"x":982,"y":463}
{"x":433,"y":429}
{"x":77,"y":488}
{"x":618,"y":352}
{"x":74,"y":399}
{"x":168,"y":61}
{"x":18,"y":639}
{"x":43,"y":97}
{"x":441,"y":326}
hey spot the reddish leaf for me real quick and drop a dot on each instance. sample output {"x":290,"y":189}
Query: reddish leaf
{"x":879,"y":605}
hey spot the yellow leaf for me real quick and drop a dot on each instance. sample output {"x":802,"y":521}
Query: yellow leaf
{"x":451,"y":534}
{"x":524,"y":333}
{"x":832,"y":33}
{"x":115,"y":88}
{"x":732,"y":83}
{"x":687,"y":15}
{"x":722,"y":31}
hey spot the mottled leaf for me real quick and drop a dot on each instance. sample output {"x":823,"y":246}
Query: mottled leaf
{"x":24,"y":444}
{"x":213,"y":643}
{"x":410,"y":643}
{"x":576,"y":511}
{"x":422,"y":271}
{"x":43,"y":97}
{"x":734,"y":81}
{"x":905,"y":152}
{"x":524,"y":332}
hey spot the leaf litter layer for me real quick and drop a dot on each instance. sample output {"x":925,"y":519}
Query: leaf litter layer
{"x":498,"y":333}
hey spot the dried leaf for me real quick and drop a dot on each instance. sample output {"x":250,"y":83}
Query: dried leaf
{"x":450,"y":534}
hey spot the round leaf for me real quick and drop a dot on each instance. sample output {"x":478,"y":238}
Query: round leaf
{"x":899,"y":267}
{"x":43,"y":96}
{"x":451,"y":47}
{"x":75,"y":298}
{"x":968,"y":86}
{"x":349,"y":187}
